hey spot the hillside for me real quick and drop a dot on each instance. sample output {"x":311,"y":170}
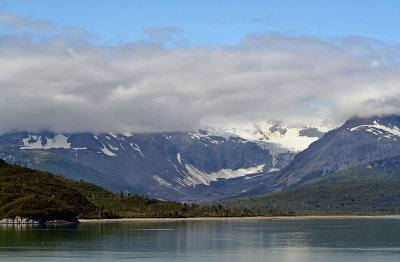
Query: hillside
{"x":386,"y":169}
{"x":44,"y":197}
{"x":59,"y":165}
{"x":359,"y":197}
{"x":39,"y":195}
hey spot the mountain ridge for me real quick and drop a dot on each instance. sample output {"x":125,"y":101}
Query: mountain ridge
{"x":175,"y":166}
{"x":202,"y":166}
{"x":358,"y":141}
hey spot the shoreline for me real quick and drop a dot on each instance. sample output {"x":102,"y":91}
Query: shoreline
{"x":126,"y":220}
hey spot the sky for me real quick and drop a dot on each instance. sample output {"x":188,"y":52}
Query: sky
{"x":73,"y":66}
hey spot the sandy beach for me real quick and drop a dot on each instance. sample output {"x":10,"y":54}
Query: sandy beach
{"x":228,"y":218}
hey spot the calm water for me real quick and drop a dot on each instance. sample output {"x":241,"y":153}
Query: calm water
{"x":278,"y":240}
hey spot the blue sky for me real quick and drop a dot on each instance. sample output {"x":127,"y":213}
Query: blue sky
{"x":147,"y":65}
{"x":216,"y":23}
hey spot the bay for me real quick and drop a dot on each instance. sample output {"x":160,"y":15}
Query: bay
{"x":358,"y":239}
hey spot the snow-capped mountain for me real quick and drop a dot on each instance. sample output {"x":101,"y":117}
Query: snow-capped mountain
{"x":274,"y":135}
{"x":210,"y":164}
{"x":358,"y":141}
{"x":178,"y":166}
{"x":191,"y":166}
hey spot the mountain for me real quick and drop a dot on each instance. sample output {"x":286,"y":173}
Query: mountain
{"x":52,"y":162}
{"x":196,"y":166}
{"x":32,"y":196}
{"x":385,"y":169}
{"x":208,"y":164}
{"x":186,"y":166}
{"x":357,"y":197}
{"x":358,"y":141}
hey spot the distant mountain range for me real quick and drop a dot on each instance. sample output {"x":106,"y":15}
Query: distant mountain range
{"x":185,"y":166}
{"x":210,"y":164}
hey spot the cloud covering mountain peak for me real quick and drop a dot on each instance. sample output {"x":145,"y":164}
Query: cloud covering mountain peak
{"x":56,"y":78}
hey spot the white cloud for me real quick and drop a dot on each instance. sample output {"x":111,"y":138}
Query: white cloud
{"x":64,"y":83}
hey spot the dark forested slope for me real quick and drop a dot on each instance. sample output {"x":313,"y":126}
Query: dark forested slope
{"x":358,"y":197}
{"x":44,"y":197}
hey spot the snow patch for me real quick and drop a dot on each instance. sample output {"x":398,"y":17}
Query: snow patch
{"x":36,"y":142}
{"x":195,"y":135}
{"x":199,"y":177}
{"x":107,"y":152}
{"x":272,"y":135}
{"x":207,"y":137}
{"x":113,"y":135}
{"x":376,"y":129}
{"x":112,"y":147}
{"x":127,"y":134}
{"x":161,"y":181}
{"x":137,"y":148}
{"x":273,"y":169}
{"x":178,"y":156}
{"x":176,"y":168}
{"x":168,"y":137}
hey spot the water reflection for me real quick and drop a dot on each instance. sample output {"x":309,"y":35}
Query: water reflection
{"x":278,"y":240}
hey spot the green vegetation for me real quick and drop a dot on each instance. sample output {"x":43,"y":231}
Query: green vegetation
{"x":372,"y":188}
{"x":356,"y":197}
{"x":43,"y":196}
{"x":38,"y":195}
{"x":386,"y":169}
{"x":141,"y":206}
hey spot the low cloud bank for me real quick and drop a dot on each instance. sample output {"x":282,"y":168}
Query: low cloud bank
{"x":54,"y":78}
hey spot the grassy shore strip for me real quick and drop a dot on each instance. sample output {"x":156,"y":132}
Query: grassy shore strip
{"x":227,"y":218}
